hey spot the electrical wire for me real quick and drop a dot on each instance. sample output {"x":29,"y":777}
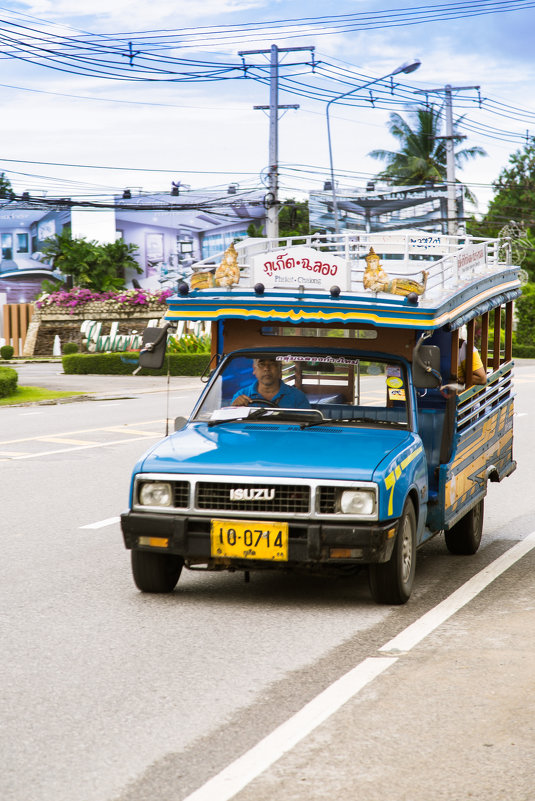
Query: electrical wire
{"x":113,"y":55}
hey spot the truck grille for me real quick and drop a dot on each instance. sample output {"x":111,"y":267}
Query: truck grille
{"x":287,"y":499}
{"x":327,"y":500}
{"x":181,"y":500}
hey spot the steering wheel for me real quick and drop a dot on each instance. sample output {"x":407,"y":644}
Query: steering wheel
{"x":258,"y":400}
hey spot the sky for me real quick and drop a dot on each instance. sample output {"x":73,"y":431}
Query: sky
{"x":86,"y":114}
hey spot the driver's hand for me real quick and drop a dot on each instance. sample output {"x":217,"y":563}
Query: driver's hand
{"x":242,"y":400}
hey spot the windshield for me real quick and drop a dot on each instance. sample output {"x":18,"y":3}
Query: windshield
{"x":309,"y":387}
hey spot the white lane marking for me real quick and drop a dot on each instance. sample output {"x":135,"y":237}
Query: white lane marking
{"x":232,"y":779}
{"x":65,"y":441}
{"x":416,"y":632}
{"x":82,"y":431}
{"x":247,"y":767}
{"x":103,"y":523}
{"x":80,"y":448}
{"x":121,"y":430}
{"x":29,"y":414}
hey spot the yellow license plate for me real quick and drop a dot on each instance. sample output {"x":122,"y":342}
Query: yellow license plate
{"x":249,"y":539}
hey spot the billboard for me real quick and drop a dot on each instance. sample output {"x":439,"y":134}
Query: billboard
{"x":423,"y":207}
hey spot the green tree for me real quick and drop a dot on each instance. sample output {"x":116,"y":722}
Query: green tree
{"x":422,"y":152}
{"x":293,"y":218}
{"x":117,"y":257}
{"x":5,"y":185}
{"x":525,"y":310}
{"x":92,"y":266}
{"x":254,"y":231}
{"x":511,"y":213}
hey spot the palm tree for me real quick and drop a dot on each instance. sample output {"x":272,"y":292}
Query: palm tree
{"x":422,"y":153}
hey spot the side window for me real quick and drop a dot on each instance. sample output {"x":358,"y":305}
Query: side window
{"x":7,"y":246}
{"x":22,"y":243}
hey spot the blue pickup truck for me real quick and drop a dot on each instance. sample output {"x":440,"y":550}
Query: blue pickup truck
{"x":333,"y":432}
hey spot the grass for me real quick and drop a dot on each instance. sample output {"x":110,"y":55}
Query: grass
{"x":35,"y":395}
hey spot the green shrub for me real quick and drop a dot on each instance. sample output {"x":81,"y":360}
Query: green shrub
{"x":126,"y":363}
{"x":8,"y":381}
{"x":524,"y":351}
{"x":525,"y":309}
{"x":70,"y":347}
{"x":7,"y":351}
{"x":190,"y":343}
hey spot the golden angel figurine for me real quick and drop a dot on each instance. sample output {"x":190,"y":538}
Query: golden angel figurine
{"x":376,"y":280}
{"x":228,"y":272}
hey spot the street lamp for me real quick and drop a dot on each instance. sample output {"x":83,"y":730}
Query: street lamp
{"x":408,"y":66}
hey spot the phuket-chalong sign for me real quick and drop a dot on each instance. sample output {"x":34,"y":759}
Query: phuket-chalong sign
{"x":300,"y":267}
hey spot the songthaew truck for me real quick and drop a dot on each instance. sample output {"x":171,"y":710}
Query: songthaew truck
{"x":345,"y":420}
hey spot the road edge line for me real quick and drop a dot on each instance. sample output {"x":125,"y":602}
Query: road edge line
{"x":226,"y":784}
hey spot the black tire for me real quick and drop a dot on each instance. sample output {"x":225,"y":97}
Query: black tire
{"x":464,"y":537}
{"x":156,"y":572}
{"x":391,"y":582}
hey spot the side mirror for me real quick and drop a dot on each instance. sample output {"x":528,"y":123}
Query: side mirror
{"x":426,"y":367}
{"x":153,"y":345}
{"x":180,"y":422}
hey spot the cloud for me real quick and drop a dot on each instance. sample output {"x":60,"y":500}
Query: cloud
{"x":132,"y":14}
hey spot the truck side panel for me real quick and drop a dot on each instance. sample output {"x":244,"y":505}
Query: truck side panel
{"x":483,"y":446}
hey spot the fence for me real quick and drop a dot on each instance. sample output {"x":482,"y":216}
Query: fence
{"x":17,"y":318}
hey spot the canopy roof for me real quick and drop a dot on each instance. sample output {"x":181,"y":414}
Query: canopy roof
{"x":416,"y":284}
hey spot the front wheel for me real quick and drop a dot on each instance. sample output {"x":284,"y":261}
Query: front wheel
{"x":156,"y":572}
{"x":391,"y":582}
{"x":464,"y":537}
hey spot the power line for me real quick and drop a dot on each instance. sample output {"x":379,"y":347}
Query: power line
{"x":112,"y":55}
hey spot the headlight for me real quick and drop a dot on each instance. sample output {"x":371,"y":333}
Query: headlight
{"x":358,"y":502}
{"x":155,"y":493}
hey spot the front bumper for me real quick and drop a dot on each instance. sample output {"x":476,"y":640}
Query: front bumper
{"x":309,"y":542}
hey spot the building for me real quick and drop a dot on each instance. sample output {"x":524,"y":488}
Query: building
{"x":170,"y":230}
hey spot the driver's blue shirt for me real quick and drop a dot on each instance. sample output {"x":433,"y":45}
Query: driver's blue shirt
{"x":286,"y":398}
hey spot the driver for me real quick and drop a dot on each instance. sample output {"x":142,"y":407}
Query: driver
{"x":269,"y":387}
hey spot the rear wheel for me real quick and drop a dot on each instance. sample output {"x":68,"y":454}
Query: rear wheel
{"x":391,"y":582}
{"x":464,"y":537}
{"x":156,"y":572}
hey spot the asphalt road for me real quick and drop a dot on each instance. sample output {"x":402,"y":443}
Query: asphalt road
{"x":50,"y":375}
{"x":110,"y":695}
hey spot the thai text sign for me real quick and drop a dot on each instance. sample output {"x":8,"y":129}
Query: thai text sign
{"x":300,"y":267}
{"x":472,"y":259}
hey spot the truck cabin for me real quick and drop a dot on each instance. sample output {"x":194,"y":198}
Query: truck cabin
{"x":370,"y":389}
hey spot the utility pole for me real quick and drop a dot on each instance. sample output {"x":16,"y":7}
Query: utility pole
{"x":271,"y":199}
{"x":450,"y":150}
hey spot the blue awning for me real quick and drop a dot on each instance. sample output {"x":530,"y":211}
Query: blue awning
{"x":486,"y":306}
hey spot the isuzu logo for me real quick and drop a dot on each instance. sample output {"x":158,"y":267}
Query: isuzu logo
{"x":244,"y":494}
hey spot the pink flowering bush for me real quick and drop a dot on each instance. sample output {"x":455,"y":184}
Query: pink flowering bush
{"x":72,"y":299}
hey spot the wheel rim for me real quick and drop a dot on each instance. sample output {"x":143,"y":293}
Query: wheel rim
{"x":406,"y":551}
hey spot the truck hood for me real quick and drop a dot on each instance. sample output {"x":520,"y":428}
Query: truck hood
{"x":275,"y":450}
